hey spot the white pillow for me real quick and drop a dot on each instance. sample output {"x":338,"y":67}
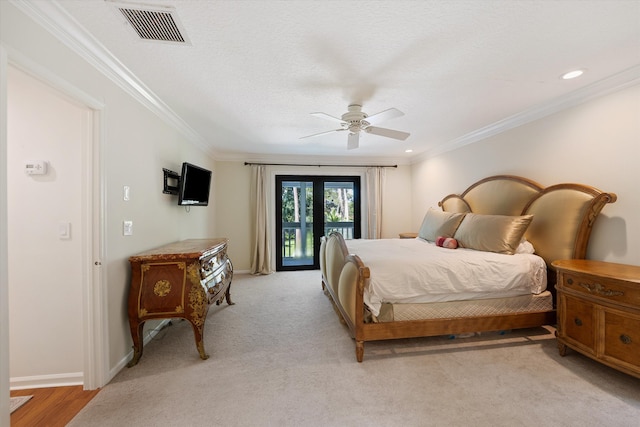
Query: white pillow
{"x":525,"y":247}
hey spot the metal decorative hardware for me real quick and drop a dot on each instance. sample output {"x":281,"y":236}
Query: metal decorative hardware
{"x":597,"y":288}
{"x":162,"y":288}
{"x":626,"y":339}
{"x":578,"y":321}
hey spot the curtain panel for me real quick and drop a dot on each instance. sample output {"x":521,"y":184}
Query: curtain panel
{"x":375,"y":178}
{"x":261,"y":241}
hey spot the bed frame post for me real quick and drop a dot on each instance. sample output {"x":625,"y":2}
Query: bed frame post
{"x":359,"y":350}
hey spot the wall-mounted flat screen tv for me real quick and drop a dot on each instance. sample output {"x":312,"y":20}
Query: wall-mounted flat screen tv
{"x":195,"y":183}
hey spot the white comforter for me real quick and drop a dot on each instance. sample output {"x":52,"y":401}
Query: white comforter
{"x":416,"y":271}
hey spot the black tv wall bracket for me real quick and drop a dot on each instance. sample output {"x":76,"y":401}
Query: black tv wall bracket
{"x":171,"y":181}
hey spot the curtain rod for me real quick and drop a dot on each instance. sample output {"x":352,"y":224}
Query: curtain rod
{"x":332,"y":166}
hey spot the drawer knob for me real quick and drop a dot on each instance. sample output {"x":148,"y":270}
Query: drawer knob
{"x":577,"y":321}
{"x":626,"y":339}
{"x":570,"y":281}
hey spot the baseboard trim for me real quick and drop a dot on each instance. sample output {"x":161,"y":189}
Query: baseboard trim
{"x":149,"y":335}
{"x":41,"y":381}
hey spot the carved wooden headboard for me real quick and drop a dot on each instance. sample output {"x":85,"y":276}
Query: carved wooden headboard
{"x":563,"y":214}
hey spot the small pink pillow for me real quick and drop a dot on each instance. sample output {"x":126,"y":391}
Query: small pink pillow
{"x":446,"y":242}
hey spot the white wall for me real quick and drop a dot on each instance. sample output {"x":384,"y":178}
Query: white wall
{"x":138,"y":146}
{"x":232,"y":183}
{"x":595,"y":143}
{"x":232,"y":186}
{"x":396,"y":217}
{"x":135,"y":145}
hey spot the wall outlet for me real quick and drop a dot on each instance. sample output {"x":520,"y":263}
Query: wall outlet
{"x":127,"y":228}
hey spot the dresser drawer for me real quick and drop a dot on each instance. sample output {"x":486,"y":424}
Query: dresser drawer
{"x":610,"y":289}
{"x":578,"y":320}
{"x":622,"y":337}
{"x":218,"y":284}
{"x":211,"y":264}
{"x":161,"y":289}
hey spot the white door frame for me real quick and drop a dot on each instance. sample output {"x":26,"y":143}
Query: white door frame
{"x":4,"y":255}
{"x":95,"y":336}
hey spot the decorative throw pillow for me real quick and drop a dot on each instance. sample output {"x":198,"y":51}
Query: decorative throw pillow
{"x":492,"y":233}
{"x":446,"y":242}
{"x":438,"y":223}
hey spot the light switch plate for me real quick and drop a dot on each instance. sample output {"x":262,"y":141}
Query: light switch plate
{"x":64,"y":230}
{"x":127,"y":228}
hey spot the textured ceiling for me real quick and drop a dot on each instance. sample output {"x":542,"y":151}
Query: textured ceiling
{"x":255,"y":70}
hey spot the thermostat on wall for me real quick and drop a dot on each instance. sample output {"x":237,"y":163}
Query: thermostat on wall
{"x":35,"y":167}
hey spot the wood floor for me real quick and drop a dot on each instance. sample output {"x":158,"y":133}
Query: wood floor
{"x":50,"y":407}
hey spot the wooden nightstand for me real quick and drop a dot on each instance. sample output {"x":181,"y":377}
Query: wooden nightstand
{"x":599,"y":312}
{"x":408,"y":235}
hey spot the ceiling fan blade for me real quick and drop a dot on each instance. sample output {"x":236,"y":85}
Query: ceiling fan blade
{"x":353,"y":140}
{"x":380,"y":117}
{"x":328,"y":117}
{"x":389,"y":133}
{"x":322,"y":133}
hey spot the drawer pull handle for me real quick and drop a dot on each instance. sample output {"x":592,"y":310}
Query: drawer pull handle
{"x":626,"y":339}
{"x":597,"y":288}
{"x":577,"y":321}
{"x":570,"y":281}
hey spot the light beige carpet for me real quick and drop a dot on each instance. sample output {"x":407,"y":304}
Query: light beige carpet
{"x":17,"y":402}
{"x":280,"y":357}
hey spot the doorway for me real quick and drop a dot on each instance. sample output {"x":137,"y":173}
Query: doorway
{"x":309,"y":207}
{"x":55,"y":211}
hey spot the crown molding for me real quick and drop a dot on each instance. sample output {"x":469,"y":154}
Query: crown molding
{"x":52,"y":17}
{"x":614,"y":83}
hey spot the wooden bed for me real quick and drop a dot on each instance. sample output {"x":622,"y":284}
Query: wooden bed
{"x":563,"y":216}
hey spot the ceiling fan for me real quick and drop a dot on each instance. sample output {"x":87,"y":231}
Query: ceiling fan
{"x":356,"y":121}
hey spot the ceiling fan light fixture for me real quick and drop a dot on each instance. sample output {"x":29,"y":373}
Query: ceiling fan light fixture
{"x":572,"y":74}
{"x":355,"y":121}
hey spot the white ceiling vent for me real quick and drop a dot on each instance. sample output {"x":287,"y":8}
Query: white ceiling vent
{"x":153,"y":23}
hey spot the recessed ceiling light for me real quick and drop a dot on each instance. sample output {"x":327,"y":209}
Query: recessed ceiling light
{"x":409,"y":150}
{"x":572,"y":74}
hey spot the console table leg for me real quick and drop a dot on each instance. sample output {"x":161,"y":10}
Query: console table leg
{"x":227,"y":295}
{"x":197,"y":333}
{"x":136,"y":336}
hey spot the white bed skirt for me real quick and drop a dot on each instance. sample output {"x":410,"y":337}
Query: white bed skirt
{"x":481,"y":307}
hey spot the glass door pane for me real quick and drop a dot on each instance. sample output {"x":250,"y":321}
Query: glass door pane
{"x":339,"y":208}
{"x":297,"y":223}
